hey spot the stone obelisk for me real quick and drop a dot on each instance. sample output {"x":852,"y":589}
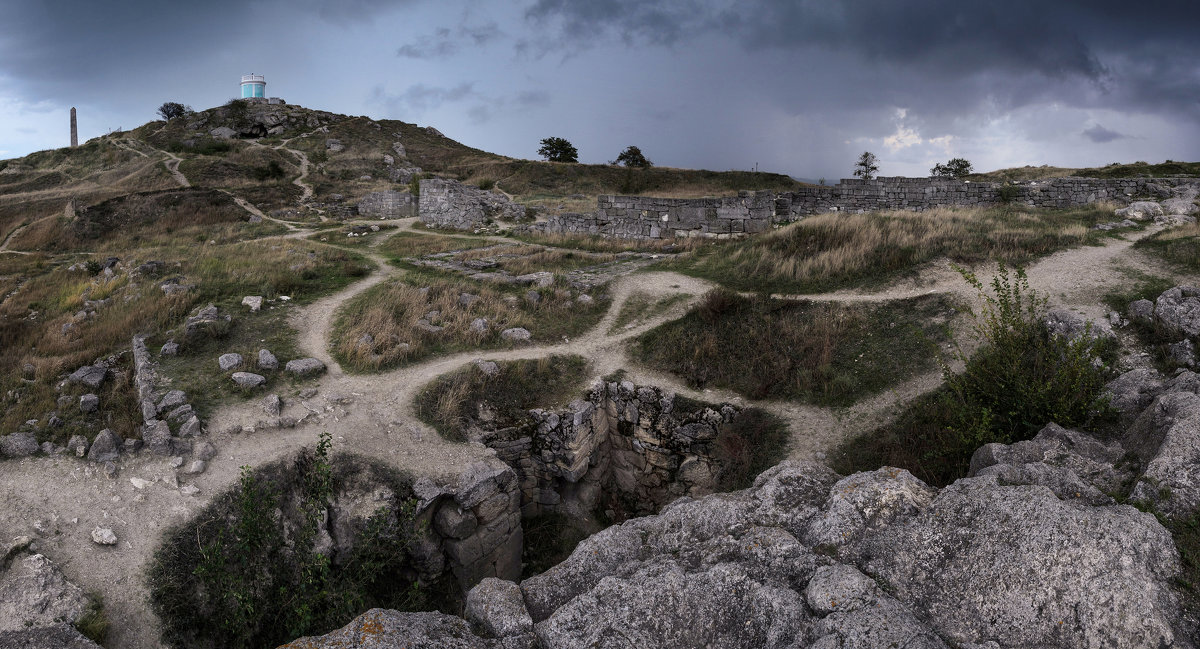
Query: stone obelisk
{"x":74,"y":129}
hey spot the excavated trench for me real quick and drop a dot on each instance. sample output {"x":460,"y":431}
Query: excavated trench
{"x":359,"y":533}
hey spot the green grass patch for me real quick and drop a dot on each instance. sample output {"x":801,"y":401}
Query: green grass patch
{"x":1179,"y":246}
{"x":246,"y":572}
{"x":832,"y":251}
{"x":413,"y":244}
{"x":453,"y":403}
{"x":824,"y":353}
{"x":1019,"y":380}
{"x":388,"y":325}
{"x":640,"y":308}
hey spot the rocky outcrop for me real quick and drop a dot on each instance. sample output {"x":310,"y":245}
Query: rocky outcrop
{"x":806,"y":558}
{"x":37,"y":603}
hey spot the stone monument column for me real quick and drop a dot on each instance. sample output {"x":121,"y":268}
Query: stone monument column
{"x":74,"y":130}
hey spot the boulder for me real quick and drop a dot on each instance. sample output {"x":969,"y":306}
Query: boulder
{"x":59,"y":636}
{"x":1018,"y":566}
{"x":170,"y":348}
{"x":1142,"y":310}
{"x":497,"y":607}
{"x":1179,"y":206}
{"x":479,"y":326}
{"x":223,"y":133}
{"x":489,"y":368}
{"x":1171,"y":478}
{"x":1141,"y":210}
{"x":267,"y":360}
{"x":1183,"y":353}
{"x":272,"y":404}
{"x":1062,"y":322}
{"x":90,"y":375}
{"x":253,"y":301}
{"x":18,"y":445}
{"x":34,"y":593}
{"x":304,"y":367}
{"x":1178,"y":309}
{"x":171,"y":400}
{"x":191,"y":427}
{"x":379,"y":628}
{"x":229,"y":361}
{"x":157,"y":437}
{"x":204,"y":451}
{"x":106,"y":447}
{"x":248,"y":379}
{"x":89,"y":403}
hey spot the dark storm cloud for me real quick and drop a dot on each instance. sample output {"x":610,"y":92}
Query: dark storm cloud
{"x":1101,"y":135}
{"x":51,"y":44}
{"x":421,"y":97}
{"x":1081,"y":52}
{"x":445,"y":42}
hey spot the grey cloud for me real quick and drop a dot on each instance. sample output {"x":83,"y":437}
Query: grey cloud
{"x":1101,"y":135}
{"x":421,"y":97}
{"x":444,"y":42}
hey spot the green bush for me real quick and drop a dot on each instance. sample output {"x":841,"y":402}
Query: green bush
{"x":247,"y":572}
{"x":1021,"y":378}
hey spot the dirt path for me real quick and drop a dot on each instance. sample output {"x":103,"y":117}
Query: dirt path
{"x":372,"y":415}
{"x":12,"y":233}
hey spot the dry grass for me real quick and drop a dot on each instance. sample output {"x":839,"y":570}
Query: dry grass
{"x":1179,"y":245}
{"x":412,"y":244}
{"x":380,"y":329}
{"x":826,"y":353}
{"x":46,"y":298}
{"x":831,"y":251}
{"x":601,"y":244}
{"x":525,"y":259}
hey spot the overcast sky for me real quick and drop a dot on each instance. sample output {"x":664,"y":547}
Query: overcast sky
{"x":794,"y":86}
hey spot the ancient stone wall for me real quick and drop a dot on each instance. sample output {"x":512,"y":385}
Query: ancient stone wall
{"x":388,"y":205}
{"x":637,"y":447}
{"x":446,"y":203}
{"x":642,"y":217}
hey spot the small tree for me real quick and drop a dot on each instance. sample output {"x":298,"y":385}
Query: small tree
{"x":557,"y":149}
{"x":867,"y":166}
{"x":955,"y":168}
{"x":632,"y":157}
{"x":172,"y":109}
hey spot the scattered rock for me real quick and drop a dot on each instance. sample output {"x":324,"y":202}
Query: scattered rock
{"x":190,"y":428}
{"x":304,"y":366}
{"x":498,"y":607}
{"x":1183,"y":353}
{"x":104,"y":536}
{"x":89,"y":403}
{"x":139,"y":483}
{"x":467,"y":299}
{"x":197,"y":466}
{"x":229,"y":361}
{"x":533,"y":297}
{"x":489,"y":368}
{"x":272,"y":405}
{"x":516,"y":334}
{"x":479,"y":325}
{"x":1141,"y":310}
{"x":223,"y":133}
{"x":189,"y":490}
{"x":106,"y":447}
{"x":90,"y":375}
{"x":248,"y":379}
{"x":18,"y":445}
{"x":267,"y":360}
{"x":253,"y":301}
{"x":170,"y":348}
{"x":171,"y":400}
{"x":204,"y":451}
{"x":78,"y":445}
{"x":157,"y":436}
{"x":584,"y":299}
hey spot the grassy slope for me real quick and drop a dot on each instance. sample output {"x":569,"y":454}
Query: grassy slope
{"x":1114,"y":170}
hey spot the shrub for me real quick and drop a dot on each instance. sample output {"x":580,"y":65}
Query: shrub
{"x":246,"y":573}
{"x":633,"y":157}
{"x":1021,"y":378}
{"x":486,"y":184}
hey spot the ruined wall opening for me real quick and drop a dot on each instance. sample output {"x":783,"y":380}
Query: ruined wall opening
{"x":618,"y":452}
